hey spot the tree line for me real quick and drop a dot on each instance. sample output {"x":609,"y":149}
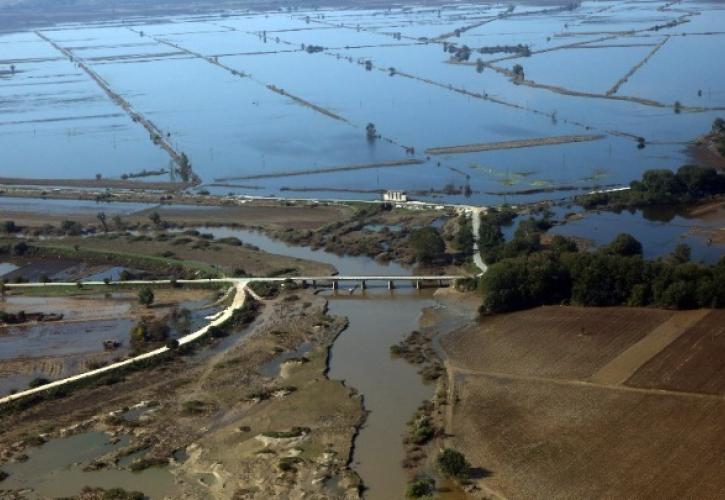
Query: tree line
{"x":615,"y":275}
{"x":661,"y":187}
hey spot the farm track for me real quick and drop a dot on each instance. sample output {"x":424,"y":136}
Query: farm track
{"x":525,"y":143}
{"x":636,"y":67}
{"x":343,"y":168}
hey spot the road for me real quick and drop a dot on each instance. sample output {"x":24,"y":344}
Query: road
{"x":241,"y":291}
{"x":215,"y":320}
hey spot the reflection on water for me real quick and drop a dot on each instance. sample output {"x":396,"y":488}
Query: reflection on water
{"x":56,"y":469}
{"x":659,"y":232}
{"x":392,"y":388}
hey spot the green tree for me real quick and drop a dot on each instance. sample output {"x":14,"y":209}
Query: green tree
{"x":155,"y":219}
{"x":427,"y":244}
{"x":464,"y":237}
{"x":453,"y":463}
{"x":101,"y":216}
{"x":146,"y":296}
{"x":625,"y":245}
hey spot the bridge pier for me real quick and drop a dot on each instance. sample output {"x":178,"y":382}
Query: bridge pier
{"x":418,"y":285}
{"x":391,"y":285}
{"x":363,"y":285}
{"x":314,"y":284}
{"x":334,"y":284}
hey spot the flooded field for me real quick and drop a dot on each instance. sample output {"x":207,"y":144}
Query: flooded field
{"x":232,"y":91}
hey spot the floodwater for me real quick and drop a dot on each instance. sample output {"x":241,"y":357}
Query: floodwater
{"x":345,"y":265}
{"x":659,"y":232}
{"x":69,"y":207}
{"x":61,"y":339}
{"x":270,"y":107}
{"x":55,"y":469}
{"x":392,"y":389}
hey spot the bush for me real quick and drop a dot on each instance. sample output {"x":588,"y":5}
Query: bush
{"x":37,"y":382}
{"x":146,"y":296}
{"x":420,"y":488}
{"x":453,"y":463}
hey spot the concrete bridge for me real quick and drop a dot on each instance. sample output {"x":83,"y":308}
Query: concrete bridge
{"x":333,"y":281}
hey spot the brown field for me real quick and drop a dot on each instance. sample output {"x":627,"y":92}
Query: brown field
{"x":565,"y":342}
{"x":695,"y":362}
{"x":544,"y":440}
{"x":268,"y":215}
{"x":535,"y":421}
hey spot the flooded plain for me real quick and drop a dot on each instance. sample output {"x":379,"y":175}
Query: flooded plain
{"x":104,"y":98}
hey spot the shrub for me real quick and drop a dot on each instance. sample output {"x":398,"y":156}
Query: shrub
{"x":37,"y":382}
{"x":420,"y":488}
{"x":146,"y":296}
{"x":453,"y":463}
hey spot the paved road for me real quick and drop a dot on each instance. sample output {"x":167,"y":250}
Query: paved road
{"x":475,"y":227}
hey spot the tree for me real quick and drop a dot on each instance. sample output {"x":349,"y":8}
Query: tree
{"x":101,"y":216}
{"x":718,"y":126}
{"x":427,"y":244}
{"x":185,"y":170}
{"x":146,"y":296}
{"x":20,"y":248}
{"x":625,"y":245}
{"x":464,"y":236}
{"x":118,"y":222}
{"x":371,"y":132}
{"x":9,"y":227}
{"x":682,"y":253}
{"x":518,"y":72}
{"x":453,"y":464}
{"x":155,"y":218}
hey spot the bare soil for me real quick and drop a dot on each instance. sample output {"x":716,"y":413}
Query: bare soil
{"x":695,"y":362}
{"x":552,"y":341}
{"x":526,"y":413}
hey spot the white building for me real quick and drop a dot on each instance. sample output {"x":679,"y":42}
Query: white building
{"x":395,"y":196}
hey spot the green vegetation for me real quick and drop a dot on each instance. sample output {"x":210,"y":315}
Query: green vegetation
{"x":146,"y":296}
{"x":526,"y":239}
{"x":453,"y":463}
{"x":149,"y":331}
{"x":427,"y":245}
{"x":463,"y":239}
{"x":292,"y":433}
{"x":37,"y":382}
{"x":661,"y":187}
{"x":614,"y":275}
{"x":420,"y":488}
